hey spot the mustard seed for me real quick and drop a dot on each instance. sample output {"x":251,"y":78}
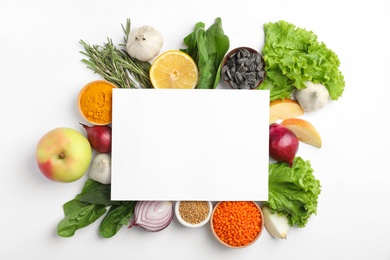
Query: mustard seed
{"x":194,"y":212}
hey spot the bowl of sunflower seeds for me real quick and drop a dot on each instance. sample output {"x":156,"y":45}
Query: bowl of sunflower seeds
{"x":243,"y":68}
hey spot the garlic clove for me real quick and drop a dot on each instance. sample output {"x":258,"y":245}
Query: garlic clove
{"x":276,"y":224}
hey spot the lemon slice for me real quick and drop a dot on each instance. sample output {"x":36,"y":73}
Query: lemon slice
{"x":174,"y":69}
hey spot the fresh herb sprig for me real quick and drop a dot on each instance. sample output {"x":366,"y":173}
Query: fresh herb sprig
{"x":116,"y":65}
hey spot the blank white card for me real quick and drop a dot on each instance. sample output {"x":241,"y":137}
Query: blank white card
{"x":190,"y":144}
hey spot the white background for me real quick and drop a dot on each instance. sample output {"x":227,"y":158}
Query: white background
{"x":41,"y":75}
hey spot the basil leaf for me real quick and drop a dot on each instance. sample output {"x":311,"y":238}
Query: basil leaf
{"x":116,"y":217}
{"x":79,"y":218}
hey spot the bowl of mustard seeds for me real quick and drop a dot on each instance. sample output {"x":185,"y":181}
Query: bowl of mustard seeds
{"x":193,"y":213}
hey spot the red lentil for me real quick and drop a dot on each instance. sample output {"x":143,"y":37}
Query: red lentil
{"x":237,"y":223}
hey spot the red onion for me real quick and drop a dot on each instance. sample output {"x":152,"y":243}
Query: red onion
{"x":283,"y":143}
{"x":99,"y":136}
{"x":152,"y":216}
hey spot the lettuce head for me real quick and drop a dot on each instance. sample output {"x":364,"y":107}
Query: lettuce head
{"x":293,"y":56}
{"x":293,"y":191}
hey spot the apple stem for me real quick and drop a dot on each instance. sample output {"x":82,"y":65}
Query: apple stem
{"x":62,"y":155}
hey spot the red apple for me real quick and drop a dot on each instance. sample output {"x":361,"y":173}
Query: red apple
{"x":63,"y":154}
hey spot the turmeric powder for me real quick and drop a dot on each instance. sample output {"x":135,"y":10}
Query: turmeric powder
{"x":95,"y":102}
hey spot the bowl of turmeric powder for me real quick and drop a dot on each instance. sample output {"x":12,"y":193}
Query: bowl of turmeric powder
{"x":95,"y":102}
{"x":237,"y":224}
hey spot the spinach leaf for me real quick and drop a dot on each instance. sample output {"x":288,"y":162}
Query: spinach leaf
{"x":191,"y":41}
{"x":98,"y":193}
{"x":91,"y":204}
{"x":116,"y":217}
{"x":218,"y":44}
{"x":79,"y":218}
{"x":85,"y":208}
{"x":73,"y":205}
{"x":207,"y":48}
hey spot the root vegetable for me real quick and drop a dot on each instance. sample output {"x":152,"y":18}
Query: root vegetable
{"x":313,"y":97}
{"x":152,"y":216}
{"x":283,"y":143}
{"x":101,"y":168}
{"x":276,"y":224}
{"x":99,"y":137}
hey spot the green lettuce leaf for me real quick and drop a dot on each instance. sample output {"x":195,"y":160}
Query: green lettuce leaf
{"x":293,"y":56}
{"x":293,"y":191}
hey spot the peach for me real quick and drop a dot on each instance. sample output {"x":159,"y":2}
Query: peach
{"x":305,"y":131}
{"x":284,"y":109}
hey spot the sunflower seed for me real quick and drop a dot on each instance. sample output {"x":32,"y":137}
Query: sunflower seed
{"x":242,"y":60}
{"x":233,"y":70}
{"x":242,"y":69}
{"x":238,"y":77}
{"x":229,"y":74}
{"x":224,"y":69}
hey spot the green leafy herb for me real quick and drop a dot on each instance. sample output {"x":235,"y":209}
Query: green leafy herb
{"x":90,"y":205}
{"x":207,"y":48}
{"x":116,"y":65}
{"x":293,"y":56}
{"x":117,"y":216}
{"x":293,"y":191}
{"x":79,"y":218}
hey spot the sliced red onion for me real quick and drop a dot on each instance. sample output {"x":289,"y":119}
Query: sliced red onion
{"x":152,"y":216}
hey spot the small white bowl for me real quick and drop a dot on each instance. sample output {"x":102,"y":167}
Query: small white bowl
{"x":184,"y":223}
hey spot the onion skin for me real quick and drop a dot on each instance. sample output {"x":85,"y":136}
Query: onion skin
{"x":152,"y":216}
{"x":99,"y":136}
{"x":283,"y":143}
{"x":276,"y":224}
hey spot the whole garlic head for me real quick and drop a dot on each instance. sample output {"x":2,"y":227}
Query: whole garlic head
{"x":100,"y":170}
{"x":313,"y":97}
{"x":144,"y":43}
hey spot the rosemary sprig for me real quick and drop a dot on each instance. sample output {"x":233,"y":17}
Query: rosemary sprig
{"x":116,"y":65}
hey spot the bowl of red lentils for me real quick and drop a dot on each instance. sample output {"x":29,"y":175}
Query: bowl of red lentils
{"x":193,"y":213}
{"x":237,"y":224}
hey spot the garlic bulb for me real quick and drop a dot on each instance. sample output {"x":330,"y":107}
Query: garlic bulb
{"x":313,"y":97}
{"x":144,"y":43}
{"x":101,"y":168}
